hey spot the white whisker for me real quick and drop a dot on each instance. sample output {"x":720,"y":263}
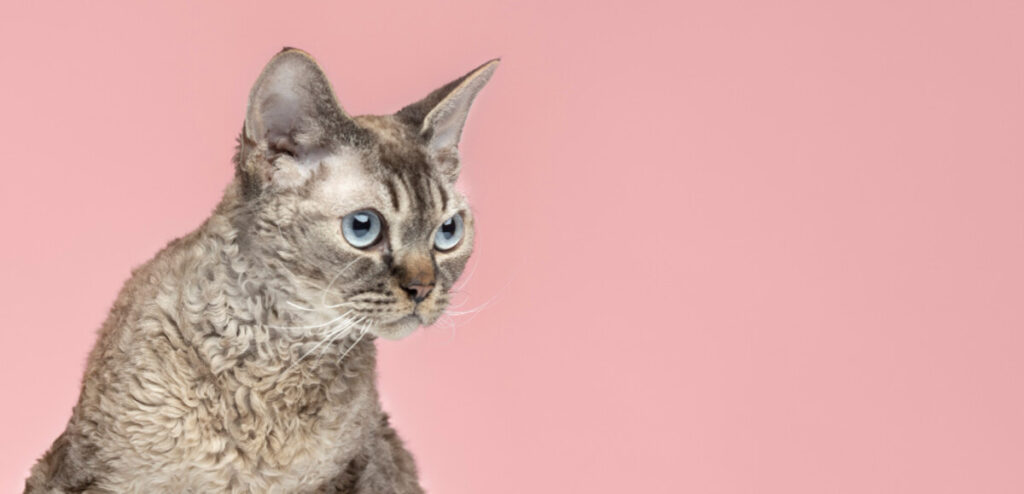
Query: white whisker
{"x":362,"y":333}
{"x":476,"y":310}
{"x":323,"y":297}
{"x":314,"y":309}
{"x":297,"y":306}
{"x":297,"y":277}
{"x":448,"y":321}
{"x":469,"y":311}
{"x":343,"y":331}
{"x":469,"y":276}
{"x":451,"y":297}
{"x":313,"y":326}
{"x":311,"y":350}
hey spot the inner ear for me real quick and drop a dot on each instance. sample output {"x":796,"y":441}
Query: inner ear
{"x":292,"y":107}
{"x":441,"y":115}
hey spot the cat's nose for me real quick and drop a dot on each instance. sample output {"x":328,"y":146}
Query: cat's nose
{"x":415,"y":273}
{"x":418,"y":292}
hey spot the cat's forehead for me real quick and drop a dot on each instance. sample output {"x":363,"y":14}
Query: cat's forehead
{"x":397,"y":146}
{"x":391,"y":174}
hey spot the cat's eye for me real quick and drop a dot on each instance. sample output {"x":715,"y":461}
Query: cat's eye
{"x":449,"y":233}
{"x":361,"y":229}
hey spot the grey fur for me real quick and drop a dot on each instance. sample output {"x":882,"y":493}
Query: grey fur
{"x":197,"y":382}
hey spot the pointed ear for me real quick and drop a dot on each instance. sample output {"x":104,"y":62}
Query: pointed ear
{"x":442,"y":114}
{"x":292,"y":109}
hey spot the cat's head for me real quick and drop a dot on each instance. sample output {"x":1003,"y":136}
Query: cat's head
{"x":361,"y":211}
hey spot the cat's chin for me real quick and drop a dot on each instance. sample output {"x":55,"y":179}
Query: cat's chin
{"x":398,"y":329}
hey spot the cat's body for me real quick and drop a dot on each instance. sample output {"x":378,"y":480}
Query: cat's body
{"x":241,"y":358}
{"x":179,"y":408}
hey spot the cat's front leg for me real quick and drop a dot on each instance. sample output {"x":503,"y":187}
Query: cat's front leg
{"x":69,"y":466}
{"x":383,"y":466}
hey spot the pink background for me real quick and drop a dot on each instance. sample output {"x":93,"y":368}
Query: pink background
{"x":725,"y":247}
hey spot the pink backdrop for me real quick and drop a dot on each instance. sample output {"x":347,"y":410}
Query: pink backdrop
{"x":725,"y":247}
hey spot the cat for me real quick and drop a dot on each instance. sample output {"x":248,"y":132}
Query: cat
{"x":241,"y":358}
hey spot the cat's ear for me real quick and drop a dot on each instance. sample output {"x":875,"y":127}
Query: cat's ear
{"x":442,"y":114}
{"x":292,"y":109}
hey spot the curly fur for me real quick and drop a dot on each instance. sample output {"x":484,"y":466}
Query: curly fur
{"x":217,"y":369}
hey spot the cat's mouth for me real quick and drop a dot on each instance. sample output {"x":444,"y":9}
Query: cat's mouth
{"x":400,"y":328}
{"x":407,"y":317}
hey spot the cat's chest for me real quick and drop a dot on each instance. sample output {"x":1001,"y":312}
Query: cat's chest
{"x":253,"y":441}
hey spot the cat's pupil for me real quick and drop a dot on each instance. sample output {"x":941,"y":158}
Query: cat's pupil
{"x":361,"y":224}
{"x":448,"y":228}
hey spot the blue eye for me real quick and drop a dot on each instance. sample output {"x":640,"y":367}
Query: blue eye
{"x":361,"y":228}
{"x":449,"y":233}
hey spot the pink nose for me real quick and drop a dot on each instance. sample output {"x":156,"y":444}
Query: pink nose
{"x":417,"y":291}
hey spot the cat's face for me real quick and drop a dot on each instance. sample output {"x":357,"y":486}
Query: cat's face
{"x":361,"y":212}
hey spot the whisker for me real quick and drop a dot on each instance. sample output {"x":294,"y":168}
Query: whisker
{"x":479,"y":308}
{"x":314,"y":326}
{"x":362,"y":333}
{"x":343,"y":331}
{"x":311,"y":350}
{"x":323,"y":297}
{"x":450,"y":323}
{"x":465,"y":299}
{"x":297,"y":306}
{"x":314,"y":309}
{"x":469,"y":311}
{"x":297,"y":277}
{"x":469,"y":276}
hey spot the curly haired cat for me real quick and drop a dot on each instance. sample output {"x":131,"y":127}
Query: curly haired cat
{"x":241,"y":358}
